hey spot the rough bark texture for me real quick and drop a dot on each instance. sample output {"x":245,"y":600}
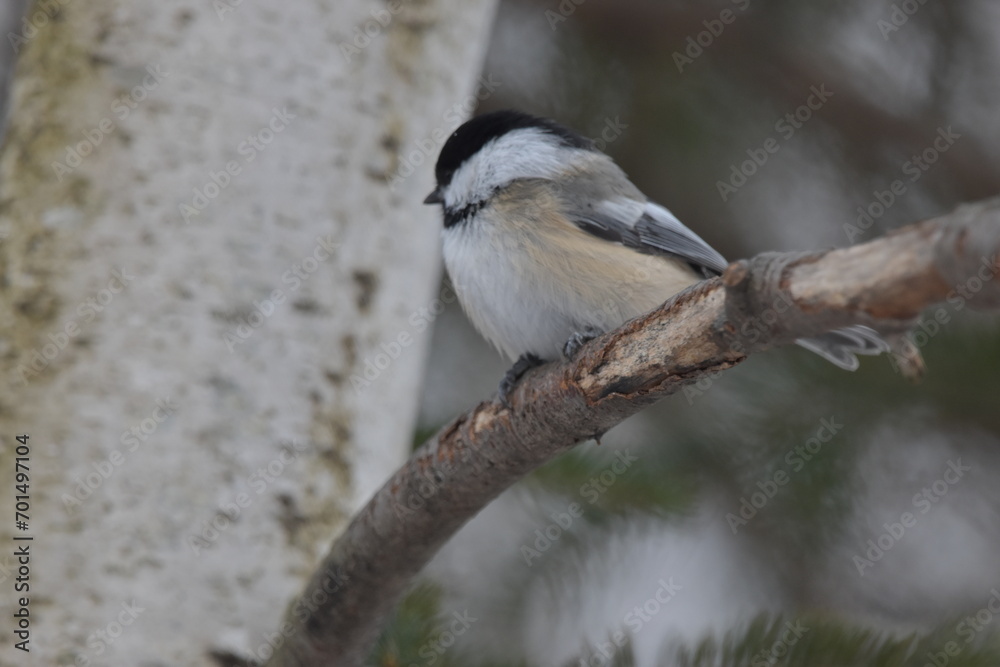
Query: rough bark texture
{"x":759,"y":303}
{"x":202,"y":243}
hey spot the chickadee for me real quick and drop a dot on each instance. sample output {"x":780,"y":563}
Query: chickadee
{"x":548,"y":243}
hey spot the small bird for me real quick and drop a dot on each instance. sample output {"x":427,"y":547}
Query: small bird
{"x":549,"y":244}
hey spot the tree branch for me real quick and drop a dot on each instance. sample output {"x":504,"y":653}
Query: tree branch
{"x":757,"y":304}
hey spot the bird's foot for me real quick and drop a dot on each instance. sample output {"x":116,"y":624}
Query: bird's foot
{"x":578,"y":340}
{"x":524,"y":364}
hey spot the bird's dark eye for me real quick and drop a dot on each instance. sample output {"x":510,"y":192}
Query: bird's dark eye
{"x":444,"y":177}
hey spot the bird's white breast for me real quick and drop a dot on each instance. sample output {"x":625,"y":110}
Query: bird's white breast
{"x":530,"y":283}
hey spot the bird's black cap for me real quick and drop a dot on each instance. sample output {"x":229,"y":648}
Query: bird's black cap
{"x":479,"y":131}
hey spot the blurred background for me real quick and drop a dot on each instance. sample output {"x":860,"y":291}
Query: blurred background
{"x":765,"y":490}
{"x":786,"y":512}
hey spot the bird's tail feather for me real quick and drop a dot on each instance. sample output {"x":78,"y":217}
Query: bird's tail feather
{"x":840,"y":345}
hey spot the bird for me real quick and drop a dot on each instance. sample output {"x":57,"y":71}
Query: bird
{"x":548,"y":244}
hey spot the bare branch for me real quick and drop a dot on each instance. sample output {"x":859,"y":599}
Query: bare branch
{"x":759,"y":303}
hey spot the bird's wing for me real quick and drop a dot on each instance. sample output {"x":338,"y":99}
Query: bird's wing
{"x":650,"y":228}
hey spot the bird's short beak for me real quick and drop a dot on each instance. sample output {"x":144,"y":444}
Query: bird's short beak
{"x":434,"y":197}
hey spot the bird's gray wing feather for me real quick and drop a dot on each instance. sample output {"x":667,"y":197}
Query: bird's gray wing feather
{"x":649,"y":228}
{"x":659,"y":228}
{"x":602,"y":200}
{"x":621,"y":214}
